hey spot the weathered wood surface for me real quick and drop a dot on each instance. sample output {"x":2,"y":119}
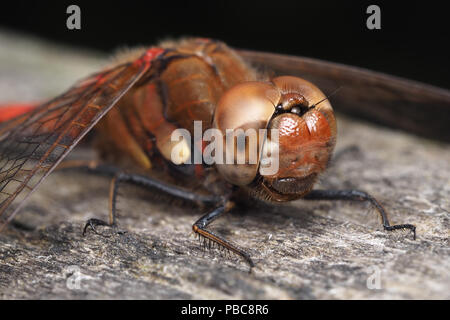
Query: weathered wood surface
{"x":303,"y":250}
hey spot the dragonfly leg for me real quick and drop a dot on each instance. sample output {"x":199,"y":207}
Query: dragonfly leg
{"x":142,"y":181}
{"x":93,"y":222}
{"x":200,"y":225}
{"x":355,"y":195}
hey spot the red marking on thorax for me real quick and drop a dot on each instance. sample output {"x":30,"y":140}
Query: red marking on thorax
{"x":149,"y":55}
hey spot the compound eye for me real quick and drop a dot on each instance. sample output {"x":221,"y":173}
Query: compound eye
{"x":246,"y":107}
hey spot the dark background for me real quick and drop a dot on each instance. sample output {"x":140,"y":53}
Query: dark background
{"x":412,"y":42}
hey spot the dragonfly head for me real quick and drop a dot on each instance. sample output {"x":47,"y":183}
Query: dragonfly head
{"x":295,"y":132}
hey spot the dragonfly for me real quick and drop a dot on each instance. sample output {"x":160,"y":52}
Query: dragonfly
{"x":134,"y":106}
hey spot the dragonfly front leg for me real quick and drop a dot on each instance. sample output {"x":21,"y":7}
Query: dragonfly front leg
{"x":147,"y":183}
{"x":93,"y":222}
{"x":200,"y":225}
{"x":140,"y":180}
{"x":94,"y":166}
{"x":355,"y":195}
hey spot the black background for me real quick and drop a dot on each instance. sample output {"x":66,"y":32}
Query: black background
{"x":412,"y":42}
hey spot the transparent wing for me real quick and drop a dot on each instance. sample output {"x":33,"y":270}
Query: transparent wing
{"x":33,"y":144}
{"x":392,"y":101}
